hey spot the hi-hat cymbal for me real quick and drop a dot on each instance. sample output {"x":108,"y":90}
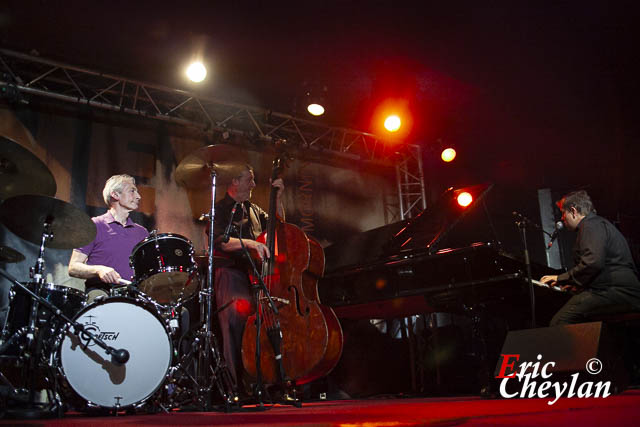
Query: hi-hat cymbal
{"x":194,"y":171}
{"x":8,"y":255}
{"x":21,"y":172}
{"x":25,"y":216}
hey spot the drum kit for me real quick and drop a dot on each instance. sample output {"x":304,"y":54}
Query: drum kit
{"x":128,"y":349}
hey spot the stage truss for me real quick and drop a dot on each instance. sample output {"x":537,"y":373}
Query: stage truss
{"x":30,"y":75}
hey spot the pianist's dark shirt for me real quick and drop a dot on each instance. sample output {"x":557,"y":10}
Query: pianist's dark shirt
{"x":603,"y":262}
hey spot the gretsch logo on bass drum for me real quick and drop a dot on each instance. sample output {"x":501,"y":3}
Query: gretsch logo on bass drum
{"x":92,"y":327}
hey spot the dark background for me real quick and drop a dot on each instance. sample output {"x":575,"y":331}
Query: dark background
{"x":533,"y":94}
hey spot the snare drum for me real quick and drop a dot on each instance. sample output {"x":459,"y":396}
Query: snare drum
{"x":68,"y":300}
{"x":164,"y":267}
{"x":122,"y":323}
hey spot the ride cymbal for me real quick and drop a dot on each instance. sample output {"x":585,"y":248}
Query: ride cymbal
{"x":21,"y":172}
{"x":194,"y":171}
{"x":25,"y":216}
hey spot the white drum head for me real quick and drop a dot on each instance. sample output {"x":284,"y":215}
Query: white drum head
{"x":122,"y":324}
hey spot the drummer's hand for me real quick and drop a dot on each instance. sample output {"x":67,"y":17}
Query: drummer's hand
{"x":107,"y":274}
{"x":279,"y":184}
{"x":549,"y":280}
{"x":261,"y":249}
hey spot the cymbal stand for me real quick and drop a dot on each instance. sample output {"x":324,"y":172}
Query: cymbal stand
{"x":33,"y":340}
{"x":36,"y":273}
{"x":207,"y":373}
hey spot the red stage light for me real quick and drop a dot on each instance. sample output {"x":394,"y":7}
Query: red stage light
{"x":464,"y":199}
{"x":392,"y":123}
{"x":243,"y":306}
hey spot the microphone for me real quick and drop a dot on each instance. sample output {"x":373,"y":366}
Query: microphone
{"x":554,"y":235}
{"x":225,"y":237}
{"x":120,"y":356}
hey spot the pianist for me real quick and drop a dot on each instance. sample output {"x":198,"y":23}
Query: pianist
{"x":603,"y":273}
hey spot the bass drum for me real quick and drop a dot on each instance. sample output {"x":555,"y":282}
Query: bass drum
{"x":122,"y":323}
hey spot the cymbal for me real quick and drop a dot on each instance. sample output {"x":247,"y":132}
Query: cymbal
{"x":194,"y":171}
{"x":8,"y":255}
{"x":21,"y":172}
{"x":170,"y":286}
{"x":25,"y":216}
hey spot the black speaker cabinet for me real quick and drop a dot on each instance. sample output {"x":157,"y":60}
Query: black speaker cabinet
{"x":572,"y":348}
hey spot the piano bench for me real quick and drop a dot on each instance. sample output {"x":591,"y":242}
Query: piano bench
{"x":631,"y":317}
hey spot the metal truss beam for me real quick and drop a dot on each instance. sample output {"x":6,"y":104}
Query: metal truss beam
{"x":26,"y":74}
{"x":41,"y":77}
{"x":410,"y":181}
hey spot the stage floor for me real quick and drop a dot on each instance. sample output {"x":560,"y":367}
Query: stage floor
{"x":617,"y":410}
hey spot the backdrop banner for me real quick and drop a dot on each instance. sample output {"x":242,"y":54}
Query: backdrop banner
{"x":83,"y":148}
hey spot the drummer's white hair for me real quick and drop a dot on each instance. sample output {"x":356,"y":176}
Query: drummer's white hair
{"x":115,"y":183}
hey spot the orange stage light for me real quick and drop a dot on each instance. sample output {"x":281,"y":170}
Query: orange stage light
{"x":392,"y":119}
{"x":448,"y":154}
{"x":464,"y":199}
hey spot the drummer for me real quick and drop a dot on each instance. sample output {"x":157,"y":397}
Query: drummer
{"x":106,"y":260}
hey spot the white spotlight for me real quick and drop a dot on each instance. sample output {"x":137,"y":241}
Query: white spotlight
{"x":315,"y":109}
{"x":196,"y":72}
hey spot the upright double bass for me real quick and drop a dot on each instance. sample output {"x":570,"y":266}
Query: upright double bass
{"x":303,"y":341}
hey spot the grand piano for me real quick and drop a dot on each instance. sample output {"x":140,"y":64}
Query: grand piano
{"x":450,"y":282}
{"x":446,"y":259}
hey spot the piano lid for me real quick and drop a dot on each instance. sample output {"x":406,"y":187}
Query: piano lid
{"x":428,"y":232}
{"x":431,"y":226}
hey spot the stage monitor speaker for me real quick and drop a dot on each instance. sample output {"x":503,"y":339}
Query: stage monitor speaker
{"x":570,"y":347}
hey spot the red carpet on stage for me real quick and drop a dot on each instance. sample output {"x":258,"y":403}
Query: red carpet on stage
{"x":617,"y":410}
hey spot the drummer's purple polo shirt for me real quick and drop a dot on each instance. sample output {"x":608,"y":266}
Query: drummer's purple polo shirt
{"x":113,"y":244}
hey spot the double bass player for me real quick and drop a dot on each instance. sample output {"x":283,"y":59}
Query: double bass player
{"x":232,"y":284}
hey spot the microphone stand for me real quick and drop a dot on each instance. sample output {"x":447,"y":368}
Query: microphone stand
{"x":227,"y":231}
{"x":522,"y":222}
{"x":119,"y":356}
{"x":30,"y":332}
{"x":258,"y":286}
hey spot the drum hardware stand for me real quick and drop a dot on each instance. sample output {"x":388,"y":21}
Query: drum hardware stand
{"x":154,"y":236}
{"x":34,"y":343}
{"x":205,"y":338}
{"x":258,"y":286}
{"x":36,"y":273}
{"x":31,"y":409}
{"x":219,"y":373}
